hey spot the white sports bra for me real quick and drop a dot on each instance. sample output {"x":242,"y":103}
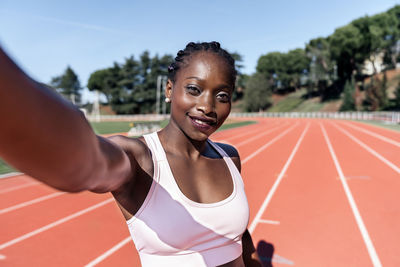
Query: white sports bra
{"x":169,"y":229}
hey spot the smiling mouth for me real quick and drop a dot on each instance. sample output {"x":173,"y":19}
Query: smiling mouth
{"x":203,"y":123}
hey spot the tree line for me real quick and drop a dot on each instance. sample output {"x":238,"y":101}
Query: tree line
{"x":328,"y":67}
{"x":333,"y":66}
{"x":129,"y":87}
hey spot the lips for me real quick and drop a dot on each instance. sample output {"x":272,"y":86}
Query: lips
{"x":203,"y":123}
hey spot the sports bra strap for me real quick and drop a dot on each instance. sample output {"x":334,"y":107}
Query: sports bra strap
{"x":153,"y":142}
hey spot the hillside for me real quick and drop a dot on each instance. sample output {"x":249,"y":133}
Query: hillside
{"x":298,"y":102}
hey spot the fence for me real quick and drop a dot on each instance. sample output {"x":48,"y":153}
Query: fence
{"x":388,"y":117}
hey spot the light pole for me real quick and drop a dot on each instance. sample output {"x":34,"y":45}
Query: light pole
{"x":161,"y":84}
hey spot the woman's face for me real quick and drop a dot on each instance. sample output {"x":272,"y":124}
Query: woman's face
{"x":201,"y":95}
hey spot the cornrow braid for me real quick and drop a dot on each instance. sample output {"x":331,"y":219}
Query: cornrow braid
{"x":183,"y":56}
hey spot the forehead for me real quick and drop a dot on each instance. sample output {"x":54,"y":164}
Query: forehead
{"x":205,"y":64}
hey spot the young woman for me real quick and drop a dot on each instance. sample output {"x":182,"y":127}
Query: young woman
{"x":181,"y":194}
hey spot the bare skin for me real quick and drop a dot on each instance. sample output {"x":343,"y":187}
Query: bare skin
{"x":75,"y":159}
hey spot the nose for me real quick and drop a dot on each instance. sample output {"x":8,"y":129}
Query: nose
{"x":206,"y":103}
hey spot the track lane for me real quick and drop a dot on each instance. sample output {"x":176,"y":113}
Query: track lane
{"x":43,"y":213}
{"x":73,"y":243}
{"x":316,"y":226}
{"x":395,"y":135}
{"x":387,"y":150}
{"x":126,"y":255}
{"x":24,"y":194}
{"x":375,"y":189}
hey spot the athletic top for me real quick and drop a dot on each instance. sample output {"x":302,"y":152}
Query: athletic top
{"x":169,"y":229}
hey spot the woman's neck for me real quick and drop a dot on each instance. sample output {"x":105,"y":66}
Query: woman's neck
{"x":175,"y":141}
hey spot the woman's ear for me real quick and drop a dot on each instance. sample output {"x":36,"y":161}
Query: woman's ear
{"x":168,"y":89}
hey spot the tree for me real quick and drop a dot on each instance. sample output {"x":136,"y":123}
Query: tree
{"x":345,"y":45}
{"x":296,"y":63}
{"x":284,"y":69}
{"x":392,"y":49}
{"x":376,"y":95}
{"x":258,"y":93}
{"x":397,"y":97}
{"x":103,"y":81}
{"x":348,"y":96}
{"x":240,"y":78}
{"x":130,"y":88}
{"x":68,"y":85}
{"x":322,"y":67}
{"x":272,"y":66}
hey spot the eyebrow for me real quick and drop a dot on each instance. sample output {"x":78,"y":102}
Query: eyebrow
{"x":193,"y":77}
{"x":219,"y":86}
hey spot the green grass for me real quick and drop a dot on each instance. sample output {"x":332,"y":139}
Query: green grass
{"x":289,"y":103}
{"x":309,"y":106}
{"x":4,"y":168}
{"x":108,"y":127}
{"x":234,"y":125}
{"x":395,"y":127}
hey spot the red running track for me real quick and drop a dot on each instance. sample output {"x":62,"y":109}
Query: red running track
{"x":321,"y":193}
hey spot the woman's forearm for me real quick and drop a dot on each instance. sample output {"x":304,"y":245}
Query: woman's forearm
{"x":48,"y":138}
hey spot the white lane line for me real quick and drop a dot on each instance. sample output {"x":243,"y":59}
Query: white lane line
{"x":252,"y":155}
{"x":279,"y":259}
{"x":53,"y":224}
{"x":2,"y":257}
{"x":268,"y":221}
{"x":259,"y":135}
{"x":276,"y":184}
{"x":370,"y":150}
{"x":367,"y":240}
{"x":30,"y":202}
{"x":10,"y":174}
{"x":18,"y":187}
{"x":381,"y":137}
{"x":109,"y":252}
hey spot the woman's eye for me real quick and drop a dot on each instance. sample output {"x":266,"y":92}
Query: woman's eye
{"x":224,"y":97}
{"x":193,"y":90}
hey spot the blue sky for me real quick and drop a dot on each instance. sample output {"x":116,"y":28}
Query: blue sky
{"x":46,"y":36}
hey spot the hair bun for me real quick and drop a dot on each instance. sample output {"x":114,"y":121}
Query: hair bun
{"x":215,"y":45}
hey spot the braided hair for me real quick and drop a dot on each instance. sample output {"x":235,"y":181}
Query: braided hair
{"x":183,"y":56}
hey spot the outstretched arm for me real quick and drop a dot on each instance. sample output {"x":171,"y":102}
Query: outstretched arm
{"x":48,"y":138}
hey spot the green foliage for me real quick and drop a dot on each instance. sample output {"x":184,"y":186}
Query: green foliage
{"x":241,"y":77}
{"x":345,"y":45}
{"x":376,"y":95}
{"x":4,"y":168}
{"x":322,"y":68}
{"x":232,"y":125}
{"x":397,"y":97}
{"x":258,"y":92}
{"x":348,"y":96}
{"x":130,"y":88}
{"x":291,"y":102}
{"x":284,"y":69}
{"x":109,"y":127}
{"x":68,"y":85}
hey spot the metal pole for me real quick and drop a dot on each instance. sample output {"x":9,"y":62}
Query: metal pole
{"x":159,"y":77}
{"x":164,"y":85}
{"x":96,"y":106}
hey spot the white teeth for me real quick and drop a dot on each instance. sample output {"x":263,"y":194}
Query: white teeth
{"x":200,"y":122}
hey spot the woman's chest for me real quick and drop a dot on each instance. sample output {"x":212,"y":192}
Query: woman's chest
{"x":203,"y":181}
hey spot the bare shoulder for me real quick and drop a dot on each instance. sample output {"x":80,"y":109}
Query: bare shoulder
{"x":232,"y":153}
{"x":135,"y":148}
